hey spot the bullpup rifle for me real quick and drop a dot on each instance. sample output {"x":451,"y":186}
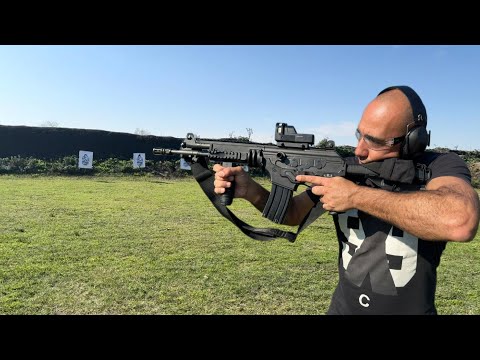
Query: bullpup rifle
{"x":292,"y":155}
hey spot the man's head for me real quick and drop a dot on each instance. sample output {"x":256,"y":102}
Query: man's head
{"x":392,"y":125}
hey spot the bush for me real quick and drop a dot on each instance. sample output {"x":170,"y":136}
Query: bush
{"x":18,"y":165}
{"x":69,"y":166}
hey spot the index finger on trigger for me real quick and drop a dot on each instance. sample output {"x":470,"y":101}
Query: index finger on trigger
{"x":317,"y":180}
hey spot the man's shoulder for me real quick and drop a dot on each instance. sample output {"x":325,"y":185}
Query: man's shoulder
{"x":445,"y":164}
{"x":430,"y":157}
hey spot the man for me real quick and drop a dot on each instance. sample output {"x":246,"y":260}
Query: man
{"x":390,"y":241}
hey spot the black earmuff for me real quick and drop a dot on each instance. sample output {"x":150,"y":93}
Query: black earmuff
{"x":417,"y":138}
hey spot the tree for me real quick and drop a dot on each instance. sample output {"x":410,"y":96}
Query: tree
{"x":241,"y":138}
{"x":142,"y":132}
{"x":325,"y":142}
{"x":249,"y":132}
{"x":49,"y":124}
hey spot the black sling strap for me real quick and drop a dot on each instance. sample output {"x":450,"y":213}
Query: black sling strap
{"x":393,"y":169}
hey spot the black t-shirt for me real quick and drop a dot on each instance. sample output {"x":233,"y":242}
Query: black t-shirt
{"x":384,"y":270}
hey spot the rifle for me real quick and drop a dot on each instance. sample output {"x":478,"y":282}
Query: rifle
{"x":293,"y":155}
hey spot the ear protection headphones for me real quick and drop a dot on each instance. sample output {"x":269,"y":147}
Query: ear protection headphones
{"x":417,"y":138}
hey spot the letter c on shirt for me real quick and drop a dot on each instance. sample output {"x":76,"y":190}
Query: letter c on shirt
{"x":362,"y":301}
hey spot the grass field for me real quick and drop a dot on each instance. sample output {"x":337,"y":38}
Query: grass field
{"x":143,"y":245}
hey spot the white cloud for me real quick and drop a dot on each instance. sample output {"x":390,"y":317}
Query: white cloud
{"x":333,"y":130}
{"x":263,"y":138}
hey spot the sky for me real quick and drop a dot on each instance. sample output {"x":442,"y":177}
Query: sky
{"x":217,"y":91}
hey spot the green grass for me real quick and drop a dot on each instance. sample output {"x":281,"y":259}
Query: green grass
{"x":143,"y":245}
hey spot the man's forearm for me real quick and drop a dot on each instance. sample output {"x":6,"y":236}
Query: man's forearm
{"x":440,"y":214}
{"x":257,"y":195}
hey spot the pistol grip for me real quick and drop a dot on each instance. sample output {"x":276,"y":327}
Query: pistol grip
{"x":227,"y":197}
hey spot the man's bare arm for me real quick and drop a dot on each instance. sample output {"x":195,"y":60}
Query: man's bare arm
{"x":448,"y":209}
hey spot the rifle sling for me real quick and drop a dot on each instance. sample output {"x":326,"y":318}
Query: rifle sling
{"x":205,"y":179}
{"x":279,"y":198}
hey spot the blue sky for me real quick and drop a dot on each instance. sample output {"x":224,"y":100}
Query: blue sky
{"x":220,"y":91}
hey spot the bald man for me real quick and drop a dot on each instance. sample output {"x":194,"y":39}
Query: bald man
{"x":390,"y":240}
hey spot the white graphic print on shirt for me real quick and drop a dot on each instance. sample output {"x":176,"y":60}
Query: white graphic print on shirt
{"x":400,"y":247}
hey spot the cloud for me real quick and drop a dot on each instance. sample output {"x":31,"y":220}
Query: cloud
{"x":263,"y":138}
{"x":333,"y":130}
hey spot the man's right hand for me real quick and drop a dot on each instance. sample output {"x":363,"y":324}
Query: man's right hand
{"x":224,"y":176}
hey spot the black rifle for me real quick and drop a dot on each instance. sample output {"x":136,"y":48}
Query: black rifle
{"x":293,"y":155}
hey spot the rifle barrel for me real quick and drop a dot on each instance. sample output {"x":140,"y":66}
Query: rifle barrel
{"x":158,"y":151}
